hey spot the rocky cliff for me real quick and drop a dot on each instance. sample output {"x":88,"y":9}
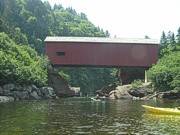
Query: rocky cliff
{"x":59,"y":84}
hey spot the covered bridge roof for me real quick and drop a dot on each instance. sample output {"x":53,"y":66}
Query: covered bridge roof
{"x":102,"y":40}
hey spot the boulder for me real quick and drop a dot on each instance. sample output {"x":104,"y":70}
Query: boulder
{"x":6,"y":99}
{"x":27,"y":88}
{"x":19,"y":88}
{"x":76,"y":90}
{"x":106,"y":90}
{"x":7,"y":92}
{"x":39,"y":92}
{"x":48,"y":92}
{"x":34,"y":95}
{"x":22,"y":95}
{"x":141,"y":92}
{"x":9,"y":87}
{"x":34,"y":88}
{"x":1,"y":91}
{"x":26,"y":92}
{"x":173,"y":94}
{"x":121,"y":92}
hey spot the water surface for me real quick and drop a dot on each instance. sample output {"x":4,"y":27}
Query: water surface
{"x":81,"y":116}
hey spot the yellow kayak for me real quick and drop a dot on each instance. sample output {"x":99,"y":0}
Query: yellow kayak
{"x":158,"y":110}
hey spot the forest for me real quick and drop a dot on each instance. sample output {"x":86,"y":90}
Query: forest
{"x":24,"y":24}
{"x":165,"y":75}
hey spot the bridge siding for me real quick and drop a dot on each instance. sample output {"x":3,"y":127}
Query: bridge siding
{"x":102,"y":54}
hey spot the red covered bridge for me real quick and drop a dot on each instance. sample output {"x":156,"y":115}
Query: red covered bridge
{"x":101,"y":52}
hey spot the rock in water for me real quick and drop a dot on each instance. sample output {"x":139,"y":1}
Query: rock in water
{"x":6,"y":99}
{"x":22,"y":95}
{"x":173,"y":94}
{"x":9,"y":87}
{"x":48,"y":92}
{"x":121,"y":92}
{"x":138,"y":92}
{"x":1,"y":91}
{"x":34,"y":95}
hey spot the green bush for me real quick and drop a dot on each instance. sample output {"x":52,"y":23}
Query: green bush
{"x":136,"y":84}
{"x":165,"y":75}
{"x":64,"y":75}
{"x":20,"y":64}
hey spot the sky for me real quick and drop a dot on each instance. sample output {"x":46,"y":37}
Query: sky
{"x":129,"y":18}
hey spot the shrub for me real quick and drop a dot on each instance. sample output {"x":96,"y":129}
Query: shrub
{"x":166,"y":74}
{"x":20,"y":64}
{"x":136,"y":84}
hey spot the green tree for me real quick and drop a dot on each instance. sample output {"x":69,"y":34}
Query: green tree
{"x":165,"y":75}
{"x":178,"y":36}
{"x":29,"y":22}
{"x":163,"y":41}
{"x":20,"y":64}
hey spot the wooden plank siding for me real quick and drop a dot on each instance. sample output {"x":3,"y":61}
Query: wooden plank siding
{"x":101,"y":54}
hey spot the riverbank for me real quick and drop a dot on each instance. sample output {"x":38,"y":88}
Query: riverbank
{"x":144,"y":91}
{"x":57,"y":87}
{"x":13,"y":92}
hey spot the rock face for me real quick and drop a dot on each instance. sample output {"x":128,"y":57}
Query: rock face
{"x":11,"y":92}
{"x":59,"y":84}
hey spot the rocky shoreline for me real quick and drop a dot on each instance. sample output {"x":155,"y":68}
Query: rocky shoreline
{"x":12,"y":92}
{"x":143,"y":92}
{"x":57,"y":87}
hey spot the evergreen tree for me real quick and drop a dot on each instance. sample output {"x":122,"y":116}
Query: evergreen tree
{"x":178,"y":36}
{"x":2,"y":6}
{"x":172,"y":40}
{"x":163,"y":40}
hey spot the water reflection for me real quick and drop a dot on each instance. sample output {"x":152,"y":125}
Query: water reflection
{"x":162,"y":124}
{"x":76,"y":116}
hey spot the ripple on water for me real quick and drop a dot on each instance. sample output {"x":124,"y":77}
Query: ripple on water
{"x":84,"y":127}
{"x":81,"y":117}
{"x":82,"y":133}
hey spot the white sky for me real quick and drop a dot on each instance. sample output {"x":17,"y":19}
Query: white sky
{"x":129,"y":18}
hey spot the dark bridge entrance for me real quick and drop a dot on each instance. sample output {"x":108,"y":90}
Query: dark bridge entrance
{"x":102,"y":52}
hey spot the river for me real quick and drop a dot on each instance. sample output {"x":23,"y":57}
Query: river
{"x":81,"y":116}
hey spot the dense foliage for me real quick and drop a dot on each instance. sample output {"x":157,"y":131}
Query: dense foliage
{"x":90,"y":79}
{"x":30,"y":21}
{"x":166,"y":74}
{"x":36,"y":20}
{"x":20,"y":64}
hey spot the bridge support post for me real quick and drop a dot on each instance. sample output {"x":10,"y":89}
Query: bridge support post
{"x":146,"y":76}
{"x":58,"y":83}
